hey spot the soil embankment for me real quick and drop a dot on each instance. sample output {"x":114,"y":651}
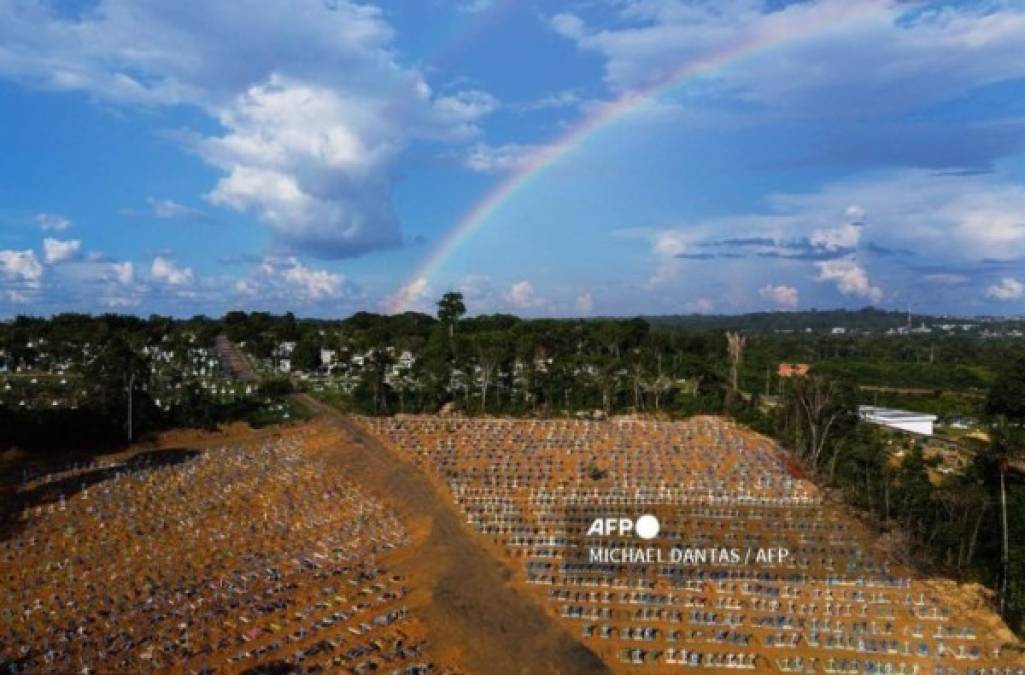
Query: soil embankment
{"x":478,"y":619}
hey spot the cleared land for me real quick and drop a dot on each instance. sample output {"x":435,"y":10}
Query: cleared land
{"x":429,"y":545}
{"x":224,"y":558}
{"x":839,"y":604}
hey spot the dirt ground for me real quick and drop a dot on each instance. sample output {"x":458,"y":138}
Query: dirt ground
{"x":480,"y":622}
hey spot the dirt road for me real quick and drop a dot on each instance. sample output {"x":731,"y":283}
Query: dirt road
{"x":478,"y":620}
{"x":234,"y":361}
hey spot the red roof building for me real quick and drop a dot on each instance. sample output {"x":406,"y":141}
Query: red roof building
{"x":792,"y":369}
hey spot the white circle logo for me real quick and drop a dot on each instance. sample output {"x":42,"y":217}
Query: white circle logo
{"x":647,"y":526}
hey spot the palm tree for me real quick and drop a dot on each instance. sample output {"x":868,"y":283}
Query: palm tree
{"x":450,"y":309}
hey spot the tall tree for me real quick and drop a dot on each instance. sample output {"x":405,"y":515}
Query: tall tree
{"x":1007,"y":447}
{"x":450,"y":309}
{"x":821,"y":406}
{"x":735,"y":342}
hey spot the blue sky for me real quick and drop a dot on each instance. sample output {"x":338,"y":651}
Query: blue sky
{"x":196,"y":157}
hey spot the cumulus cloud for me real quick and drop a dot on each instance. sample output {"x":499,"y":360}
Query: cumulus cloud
{"x":1009,"y":288}
{"x":521,"y":295}
{"x":313,"y":102}
{"x":289,"y":280}
{"x":165,"y":271}
{"x":938,"y":215}
{"x":668,"y":247}
{"x":955,"y":222}
{"x":844,"y":237}
{"x":850,"y":278}
{"x":51,"y":222}
{"x":20,"y":275}
{"x":56,"y":250}
{"x":123,"y":272}
{"x":782,"y":296}
{"x":412,"y":295}
{"x":20,"y":266}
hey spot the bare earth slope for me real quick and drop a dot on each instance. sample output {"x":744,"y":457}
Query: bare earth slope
{"x":480,"y":621}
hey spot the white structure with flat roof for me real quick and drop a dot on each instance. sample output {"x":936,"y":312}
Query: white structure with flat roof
{"x":902,"y":420}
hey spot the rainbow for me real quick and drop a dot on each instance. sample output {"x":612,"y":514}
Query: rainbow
{"x":781,"y":32}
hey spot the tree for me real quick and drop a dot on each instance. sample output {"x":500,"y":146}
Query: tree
{"x":735,"y":342}
{"x":450,"y":309}
{"x":117,"y":375}
{"x":490,"y":351}
{"x":1007,"y":395}
{"x":306,"y":355}
{"x":1007,"y":446}
{"x":820,"y":405}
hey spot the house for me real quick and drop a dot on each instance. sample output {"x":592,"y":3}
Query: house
{"x":406,"y":360}
{"x":838,"y":330}
{"x":792,"y":369}
{"x":901,"y":420}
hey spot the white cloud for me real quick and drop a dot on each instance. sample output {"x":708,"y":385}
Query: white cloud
{"x":500,"y":159}
{"x":412,"y":295}
{"x":935,"y":215}
{"x":168,"y":209}
{"x":166,"y":271}
{"x":56,"y":250}
{"x":123,"y":272}
{"x":314,"y":103}
{"x":1009,"y":288}
{"x":568,"y":25}
{"x":289,"y":281}
{"x":312,"y":284}
{"x":567,"y":98}
{"x":51,"y":222}
{"x":667,"y":246}
{"x":464,"y":107}
{"x":850,"y":278}
{"x":20,"y":266}
{"x":875,"y":57}
{"x":522,"y":296}
{"x":839,"y":238}
{"x":783,"y":296}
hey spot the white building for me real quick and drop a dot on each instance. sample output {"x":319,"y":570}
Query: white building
{"x":901,"y":420}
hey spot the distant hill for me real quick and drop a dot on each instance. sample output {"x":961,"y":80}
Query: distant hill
{"x":868,"y":319}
